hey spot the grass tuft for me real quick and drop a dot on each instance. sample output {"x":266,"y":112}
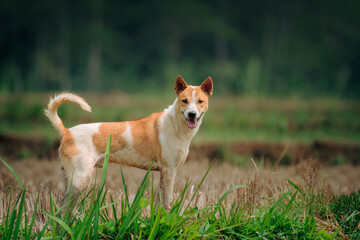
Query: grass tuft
{"x":294,"y":215}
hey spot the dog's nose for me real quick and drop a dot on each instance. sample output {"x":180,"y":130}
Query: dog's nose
{"x":192,"y":114}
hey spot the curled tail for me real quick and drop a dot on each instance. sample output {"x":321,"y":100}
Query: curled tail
{"x":55,"y":102}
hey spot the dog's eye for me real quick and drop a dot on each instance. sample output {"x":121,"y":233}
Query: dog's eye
{"x":184,"y":101}
{"x":200,"y":101}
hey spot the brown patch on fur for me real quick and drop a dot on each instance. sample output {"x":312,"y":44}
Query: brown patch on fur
{"x":100,"y":163}
{"x":145,"y":136}
{"x":100,"y":139}
{"x":200,"y":94}
{"x":68,"y":147}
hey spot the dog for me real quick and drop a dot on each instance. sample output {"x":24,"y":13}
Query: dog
{"x":161,"y":139}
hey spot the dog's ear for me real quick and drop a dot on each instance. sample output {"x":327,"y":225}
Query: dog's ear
{"x":207,"y":86}
{"x":180,"y":85}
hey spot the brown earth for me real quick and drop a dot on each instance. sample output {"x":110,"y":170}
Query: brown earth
{"x":265,"y":183}
{"x":328,"y":152}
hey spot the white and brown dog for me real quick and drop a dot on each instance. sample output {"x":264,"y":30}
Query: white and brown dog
{"x":163,"y":136}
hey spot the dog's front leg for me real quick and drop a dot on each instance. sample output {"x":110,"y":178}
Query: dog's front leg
{"x":167,"y":177}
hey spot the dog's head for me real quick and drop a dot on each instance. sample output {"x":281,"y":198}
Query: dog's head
{"x":193,"y":101}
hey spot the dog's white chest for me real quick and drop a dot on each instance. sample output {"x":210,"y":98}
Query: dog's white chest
{"x":174,"y":142}
{"x":174,"y":151}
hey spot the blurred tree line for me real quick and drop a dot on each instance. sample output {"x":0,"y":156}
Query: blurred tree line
{"x":254,"y":47}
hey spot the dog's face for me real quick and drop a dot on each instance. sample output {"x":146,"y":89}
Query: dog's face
{"x":193,"y":101}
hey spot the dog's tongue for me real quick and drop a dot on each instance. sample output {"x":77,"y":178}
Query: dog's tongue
{"x":191,"y":123}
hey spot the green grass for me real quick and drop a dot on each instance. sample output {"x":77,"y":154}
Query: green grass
{"x":346,"y":211}
{"x":294,"y":215}
{"x":228,"y":118}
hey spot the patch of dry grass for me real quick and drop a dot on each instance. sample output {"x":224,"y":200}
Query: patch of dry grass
{"x":265,"y":184}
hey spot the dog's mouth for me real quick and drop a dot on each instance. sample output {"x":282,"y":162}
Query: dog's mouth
{"x":192,"y":122}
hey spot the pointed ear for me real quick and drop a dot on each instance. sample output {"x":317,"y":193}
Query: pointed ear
{"x":180,"y":85}
{"x":207,"y":86}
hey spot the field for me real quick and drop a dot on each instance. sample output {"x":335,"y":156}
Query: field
{"x":228,"y":119}
{"x":281,"y":193}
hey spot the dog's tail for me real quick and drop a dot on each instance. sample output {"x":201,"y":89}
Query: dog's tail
{"x":55,"y":102}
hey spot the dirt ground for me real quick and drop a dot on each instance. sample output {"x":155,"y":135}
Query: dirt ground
{"x":329,"y":152}
{"x":264,"y":184}
{"x":45,"y":175}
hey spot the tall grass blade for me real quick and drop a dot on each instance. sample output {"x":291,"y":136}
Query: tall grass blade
{"x":85,"y":225}
{"x":106,"y":162}
{"x":10,"y":226}
{"x":13,"y":172}
{"x":61,"y":222}
{"x":270,"y":212}
{"x":155,"y":226}
{"x":180,"y":200}
{"x":114,"y":209}
{"x":19,"y":215}
{"x":53,"y":225}
{"x":11,"y":221}
{"x":229,"y":191}
{"x":296,"y":187}
{"x":52,"y":201}
{"x":96,"y":220}
{"x":92,"y":219}
{"x":286,"y":209}
{"x":125,"y":188}
{"x":28,"y":234}
{"x":135,"y":205}
{"x":109,"y":205}
{"x":201,"y":182}
{"x":40,"y":236}
{"x":70,"y":204}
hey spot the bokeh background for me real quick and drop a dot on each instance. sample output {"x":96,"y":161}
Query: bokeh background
{"x":257,"y":48}
{"x":286,"y":73}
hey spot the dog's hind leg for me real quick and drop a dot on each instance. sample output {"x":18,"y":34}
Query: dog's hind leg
{"x":78,"y":178}
{"x":70,"y":197}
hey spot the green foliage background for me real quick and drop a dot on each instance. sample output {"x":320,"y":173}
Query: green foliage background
{"x":281,"y":48}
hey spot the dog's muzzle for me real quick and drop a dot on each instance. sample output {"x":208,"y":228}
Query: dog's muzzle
{"x":191,"y":120}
